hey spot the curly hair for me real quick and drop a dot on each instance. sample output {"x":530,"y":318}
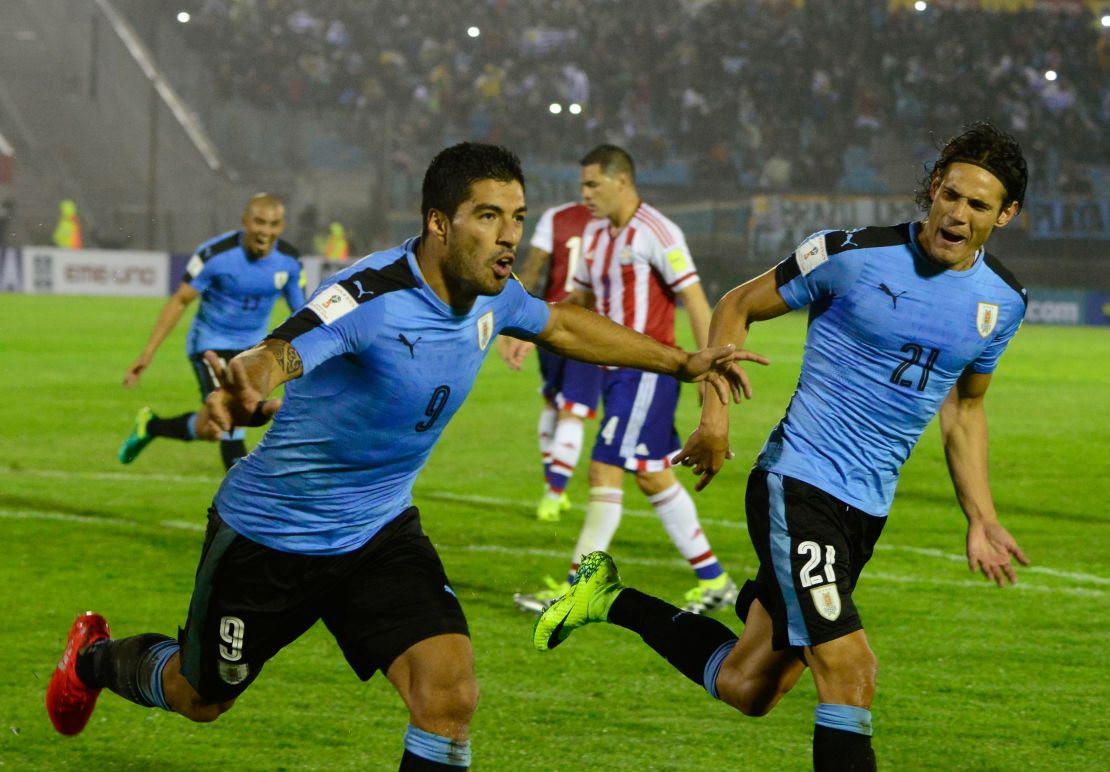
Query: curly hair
{"x":984,"y":146}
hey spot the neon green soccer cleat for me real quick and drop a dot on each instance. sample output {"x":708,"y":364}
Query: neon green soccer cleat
{"x":549,"y":510}
{"x":138,"y":439}
{"x":595,"y":587}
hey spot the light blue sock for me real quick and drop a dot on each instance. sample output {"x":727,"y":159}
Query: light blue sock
{"x":434,"y":747}
{"x":158,"y":656}
{"x":846,"y":718}
{"x":713,"y":667}
{"x":191,"y":425}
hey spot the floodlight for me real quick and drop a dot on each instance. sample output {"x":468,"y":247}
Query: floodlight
{"x":473,"y":32}
{"x":920,"y":5}
{"x":183,"y":17}
{"x":1106,"y":20}
{"x":555,"y":108}
{"x":1050,"y":74}
{"x":575,"y":108}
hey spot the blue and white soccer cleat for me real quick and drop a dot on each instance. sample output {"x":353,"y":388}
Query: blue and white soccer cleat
{"x":711,"y":595}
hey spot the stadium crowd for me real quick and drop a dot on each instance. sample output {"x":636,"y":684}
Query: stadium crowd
{"x":765,"y":94}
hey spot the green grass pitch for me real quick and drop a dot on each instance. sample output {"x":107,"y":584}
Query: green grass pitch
{"x":971,"y":677}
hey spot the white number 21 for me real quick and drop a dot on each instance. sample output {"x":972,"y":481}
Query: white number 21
{"x":814,"y":551}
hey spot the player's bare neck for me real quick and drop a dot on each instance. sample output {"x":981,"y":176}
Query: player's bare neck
{"x":453,"y":293}
{"x":624,"y":214}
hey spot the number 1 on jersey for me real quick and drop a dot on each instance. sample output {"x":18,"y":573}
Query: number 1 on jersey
{"x":574,"y":251}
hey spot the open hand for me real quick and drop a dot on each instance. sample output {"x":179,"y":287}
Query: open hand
{"x":513,"y":350}
{"x":706,"y":452}
{"x":989,"y":547}
{"x":718,"y":368}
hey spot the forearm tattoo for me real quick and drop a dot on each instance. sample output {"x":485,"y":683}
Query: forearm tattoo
{"x":288,"y":360}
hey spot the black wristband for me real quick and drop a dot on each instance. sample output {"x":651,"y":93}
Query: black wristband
{"x":258,"y":417}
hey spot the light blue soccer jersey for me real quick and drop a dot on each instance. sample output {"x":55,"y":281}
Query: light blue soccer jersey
{"x":889,"y":334}
{"x":237,"y":291}
{"x":386,"y":364}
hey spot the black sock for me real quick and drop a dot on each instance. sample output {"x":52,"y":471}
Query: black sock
{"x":125,"y":666}
{"x":410,"y":762}
{"x":839,"y":750}
{"x":685,"y":640}
{"x":175,"y":428}
{"x":232,"y":451}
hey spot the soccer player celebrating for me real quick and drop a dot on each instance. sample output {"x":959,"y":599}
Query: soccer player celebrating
{"x":635,"y":262}
{"x":318,"y":522}
{"x":238,"y":277}
{"x":904,"y":321}
{"x":571,"y":389}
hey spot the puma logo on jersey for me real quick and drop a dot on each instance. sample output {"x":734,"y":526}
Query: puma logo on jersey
{"x":361,"y":291}
{"x":893,"y":295}
{"x":412,"y":346}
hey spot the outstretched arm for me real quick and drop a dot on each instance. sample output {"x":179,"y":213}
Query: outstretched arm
{"x":754,"y":301}
{"x":245,"y":382}
{"x":167,"y":320}
{"x":963,"y":426}
{"x":575,"y":332}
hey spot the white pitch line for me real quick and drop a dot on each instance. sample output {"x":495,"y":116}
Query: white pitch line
{"x":65,"y":517}
{"x":504,"y":502}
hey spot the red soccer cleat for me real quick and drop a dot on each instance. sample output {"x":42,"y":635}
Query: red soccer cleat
{"x":69,"y":702}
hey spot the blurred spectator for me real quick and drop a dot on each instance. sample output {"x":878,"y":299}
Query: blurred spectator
{"x":671,"y":79}
{"x":67,"y":233}
{"x":336,"y":247}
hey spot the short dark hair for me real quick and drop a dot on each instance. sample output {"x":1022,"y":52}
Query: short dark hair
{"x":451,"y":173}
{"x":984,"y":146}
{"x":612,"y":160}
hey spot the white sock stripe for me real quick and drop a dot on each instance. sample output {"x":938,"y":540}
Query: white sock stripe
{"x":665,"y":497}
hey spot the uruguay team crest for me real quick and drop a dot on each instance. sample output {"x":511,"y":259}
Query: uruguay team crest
{"x":280,"y":278}
{"x":485,"y":330}
{"x":827,"y":601}
{"x":986,"y":317}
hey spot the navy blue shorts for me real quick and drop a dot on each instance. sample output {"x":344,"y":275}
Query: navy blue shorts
{"x":811,"y":548}
{"x":569,"y":384}
{"x":637,"y":432}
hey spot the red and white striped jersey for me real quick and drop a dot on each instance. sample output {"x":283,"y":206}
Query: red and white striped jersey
{"x":635,"y":272}
{"x":559,"y":234}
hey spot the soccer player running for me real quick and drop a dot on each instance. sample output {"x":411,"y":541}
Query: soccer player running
{"x":635,"y":262}
{"x":904,"y":321}
{"x":571,"y":389}
{"x":238,"y":277}
{"x":318,"y":522}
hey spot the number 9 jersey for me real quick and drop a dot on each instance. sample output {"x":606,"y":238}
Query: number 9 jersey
{"x":386,"y":363}
{"x":889,"y":334}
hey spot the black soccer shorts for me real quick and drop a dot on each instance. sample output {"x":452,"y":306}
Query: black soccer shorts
{"x":250,"y":601}
{"x":811,"y":548}
{"x":206,"y":379}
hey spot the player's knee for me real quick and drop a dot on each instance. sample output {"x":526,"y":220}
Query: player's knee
{"x":449,"y":706}
{"x":753,"y":697}
{"x":651,"y":483}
